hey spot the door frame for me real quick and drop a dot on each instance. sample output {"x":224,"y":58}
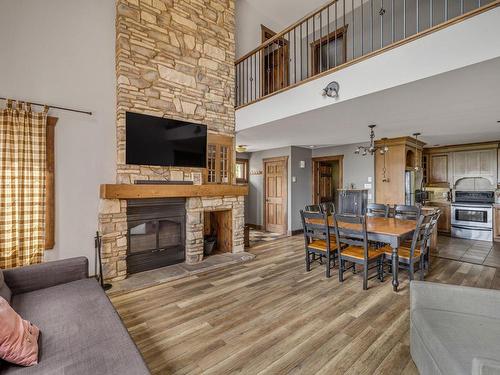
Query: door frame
{"x":266,"y":34}
{"x":315,"y":165}
{"x":283,"y":159}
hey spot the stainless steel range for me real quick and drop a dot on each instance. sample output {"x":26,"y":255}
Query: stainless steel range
{"x":472,"y":215}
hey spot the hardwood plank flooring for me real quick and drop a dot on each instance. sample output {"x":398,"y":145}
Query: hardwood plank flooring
{"x":269,"y":316}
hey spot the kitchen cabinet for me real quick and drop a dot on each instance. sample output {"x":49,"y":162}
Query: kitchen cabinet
{"x":438,"y":173}
{"x":475,"y":163}
{"x":496,"y":223}
{"x":444,"y":222}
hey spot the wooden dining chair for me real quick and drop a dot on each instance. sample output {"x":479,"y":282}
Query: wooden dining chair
{"x":317,"y":239}
{"x":432,"y":227}
{"x":415,"y":254}
{"x":377,"y":210}
{"x":312,"y":208}
{"x":353,"y":247}
{"x":405,"y":212}
{"x":328,"y":207}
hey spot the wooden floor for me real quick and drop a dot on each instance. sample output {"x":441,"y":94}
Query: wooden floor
{"x":269,"y":316}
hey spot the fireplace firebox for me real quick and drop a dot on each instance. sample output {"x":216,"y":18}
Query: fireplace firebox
{"x":156,"y":233}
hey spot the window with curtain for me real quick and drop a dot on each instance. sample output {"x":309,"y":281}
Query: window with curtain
{"x":23,"y":173}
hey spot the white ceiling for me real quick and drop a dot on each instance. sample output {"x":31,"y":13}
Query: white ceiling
{"x":461,"y":106}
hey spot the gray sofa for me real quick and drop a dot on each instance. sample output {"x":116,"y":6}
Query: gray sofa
{"x":454,"y":329}
{"x":81,"y":333}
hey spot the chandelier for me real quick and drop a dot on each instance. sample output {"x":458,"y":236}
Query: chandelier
{"x":372,"y":149}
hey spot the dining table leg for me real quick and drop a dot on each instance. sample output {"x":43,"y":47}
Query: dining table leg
{"x":395,"y":268}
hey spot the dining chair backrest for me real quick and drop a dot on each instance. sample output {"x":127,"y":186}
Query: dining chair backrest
{"x":351,"y":230}
{"x":431,"y":228}
{"x":419,"y":239}
{"x":328,"y":207}
{"x":377,"y":210}
{"x":315,"y":226}
{"x":312,"y":208}
{"x":407,"y":212}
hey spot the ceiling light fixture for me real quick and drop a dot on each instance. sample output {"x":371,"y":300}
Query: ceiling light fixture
{"x":241,"y":148}
{"x":371,"y":149}
{"x":417,"y":167}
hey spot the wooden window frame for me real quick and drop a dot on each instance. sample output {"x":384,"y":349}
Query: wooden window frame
{"x":339,"y":33}
{"x":50,"y":218}
{"x":219,"y":141}
{"x":245,"y":172}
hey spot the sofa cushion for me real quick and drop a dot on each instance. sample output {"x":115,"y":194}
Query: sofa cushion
{"x":4,"y":288}
{"x":81,"y":333}
{"x":456,"y":338}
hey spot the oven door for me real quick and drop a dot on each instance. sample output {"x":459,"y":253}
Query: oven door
{"x":473,"y":216}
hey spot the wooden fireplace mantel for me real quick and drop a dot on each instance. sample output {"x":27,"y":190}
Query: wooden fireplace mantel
{"x":129,"y":191}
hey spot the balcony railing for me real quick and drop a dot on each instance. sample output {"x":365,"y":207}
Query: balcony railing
{"x":339,"y":34}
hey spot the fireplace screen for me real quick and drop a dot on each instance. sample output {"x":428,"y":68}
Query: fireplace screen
{"x":156,"y":234}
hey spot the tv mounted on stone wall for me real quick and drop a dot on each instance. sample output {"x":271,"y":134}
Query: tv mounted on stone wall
{"x":165,"y":142}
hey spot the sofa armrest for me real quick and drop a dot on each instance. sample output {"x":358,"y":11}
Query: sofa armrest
{"x":44,"y":275}
{"x":456,"y":298}
{"x":485,"y":366}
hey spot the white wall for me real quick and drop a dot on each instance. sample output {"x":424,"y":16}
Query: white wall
{"x":431,"y":55}
{"x":62,"y":52}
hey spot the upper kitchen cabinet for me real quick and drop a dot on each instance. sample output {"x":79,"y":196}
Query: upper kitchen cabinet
{"x":438,"y":170}
{"x":475,"y":163}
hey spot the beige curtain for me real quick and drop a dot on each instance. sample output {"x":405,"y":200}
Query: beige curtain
{"x":22,"y":185}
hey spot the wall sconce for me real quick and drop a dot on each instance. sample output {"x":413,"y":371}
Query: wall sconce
{"x":332,"y":90}
{"x":302,"y":164}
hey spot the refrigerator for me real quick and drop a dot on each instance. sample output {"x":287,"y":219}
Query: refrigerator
{"x":414,"y":180}
{"x":410,"y":188}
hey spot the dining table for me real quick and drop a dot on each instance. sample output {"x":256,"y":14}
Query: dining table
{"x":390,"y":231}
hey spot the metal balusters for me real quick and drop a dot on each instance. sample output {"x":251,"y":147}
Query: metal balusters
{"x":417,"y":16}
{"x":307,"y":48}
{"x":382,"y":23}
{"x":371,"y":24}
{"x":446,"y":10}
{"x":335,"y":37}
{"x":328,"y":37}
{"x":294,"y":55}
{"x":362,"y":29}
{"x":404,"y":19}
{"x":461,"y":6}
{"x":353,"y":29}
{"x":392,"y":21}
{"x":431,"y":11}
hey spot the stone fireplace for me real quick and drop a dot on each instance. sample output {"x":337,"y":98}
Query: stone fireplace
{"x":174,"y":59}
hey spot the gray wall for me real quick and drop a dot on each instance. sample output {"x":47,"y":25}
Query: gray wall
{"x":62,"y":52}
{"x":255,"y":212}
{"x":357,"y":168}
{"x":301,"y":191}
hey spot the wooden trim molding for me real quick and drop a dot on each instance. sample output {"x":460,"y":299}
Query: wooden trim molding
{"x":130,"y":191}
{"x":402,"y":42}
{"x":333,"y":36}
{"x":315,"y":161}
{"x":283,"y":159}
{"x":50,"y":209}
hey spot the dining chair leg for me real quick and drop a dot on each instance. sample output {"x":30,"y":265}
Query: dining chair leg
{"x":341,"y":270}
{"x":308,"y":262}
{"x":365,"y":276}
{"x":327,"y":267}
{"x":411,"y":270}
{"x":422,"y":267}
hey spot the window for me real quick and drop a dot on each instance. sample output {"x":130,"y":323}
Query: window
{"x":219,"y":159}
{"x":329,"y":51}
{"x":242,"y":171}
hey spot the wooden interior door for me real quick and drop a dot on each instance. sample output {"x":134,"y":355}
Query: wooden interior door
{"x":276,"y":66}
{"x":275,"y":195}
{"x":325,"y":183}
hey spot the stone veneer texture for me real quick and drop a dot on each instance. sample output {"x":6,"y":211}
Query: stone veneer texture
{"x":174,"y":58}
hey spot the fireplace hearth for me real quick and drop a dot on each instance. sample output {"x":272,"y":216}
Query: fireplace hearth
{"x":156,"y":233}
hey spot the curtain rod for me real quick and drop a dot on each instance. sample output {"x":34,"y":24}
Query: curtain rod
{"x":52,"y":106}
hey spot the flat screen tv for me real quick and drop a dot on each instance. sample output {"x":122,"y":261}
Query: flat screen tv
{"x":164,"y":142}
